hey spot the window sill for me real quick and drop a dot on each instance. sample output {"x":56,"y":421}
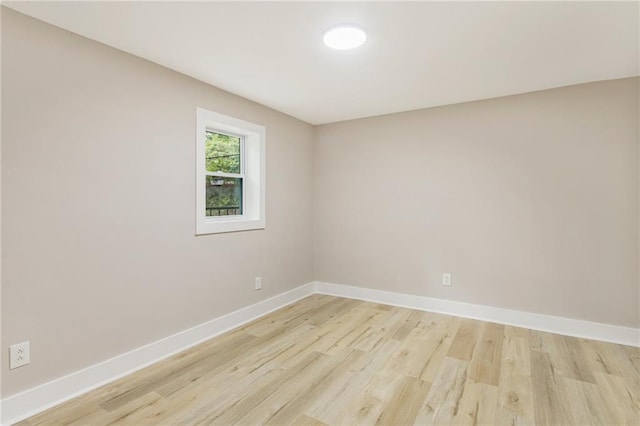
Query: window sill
{"x":228,"y":225}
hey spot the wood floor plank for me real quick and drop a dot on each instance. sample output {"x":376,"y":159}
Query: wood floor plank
{"x":364,"y":334}
{"x":304,"y":420}
{"x":112,"y":396}
{"x":368,"y":405}
{"x":184,"y":374}
{"x":443,"y":399}
{"x":411,"y":322}
{"x":477,"y":405}
{"x":133,"y":412}
{"x":121,"y":415}
{"x":542,"y":342}
{"x":405,"y":403}
{"x":616,"y":360}
{"x":283,"y":388}
{"x":396,"y":321}
{"x":410,"y":358}
{"x":201,"y":401}
{"x":326,"y":360}
{"x":487,"y":356}
{"x":512,"y":331}
{"x":227,"y":366}
{"x":515,"y":403}
{"x":437,"y":344}
{"x":588,"y":406}
{"x":515,"y":357}
{"x":373,"y":361}
{"x":598,"y":358}
{"x":65,"y":413}
{"x":464,"y":343}
{"x":337,"y":335}
{"x":320,"y":315}
{"x":372,"y":334}
{"x":632,"y":355}
{"x":550,"y":404}
{"x":571,"y":358}
{"x":334,"y":377}
{"x":333,"y":408}
{"x":294,"y":313}
{"x":624,"y":404}
{"x":265,"y":410}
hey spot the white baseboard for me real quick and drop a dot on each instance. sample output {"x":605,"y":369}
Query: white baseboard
{"x":32,"y":401}
{"x":566,"y":326}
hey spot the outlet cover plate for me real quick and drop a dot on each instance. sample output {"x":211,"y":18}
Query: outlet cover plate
{"x":19,"y":355}
{"x":446,"y":279}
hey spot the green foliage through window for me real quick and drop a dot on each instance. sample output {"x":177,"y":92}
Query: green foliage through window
{"x":224,"y":196}
{"x":223,"y":193}
{"x":222,"y":153}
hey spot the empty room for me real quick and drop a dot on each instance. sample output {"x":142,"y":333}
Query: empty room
{"x":320,"y":213}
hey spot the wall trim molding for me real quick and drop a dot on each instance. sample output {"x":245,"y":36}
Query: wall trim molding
{"x":559,"y":325}
{"x":37,"y":399}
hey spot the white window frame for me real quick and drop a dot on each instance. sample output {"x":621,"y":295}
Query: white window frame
{"x":252,"y":157}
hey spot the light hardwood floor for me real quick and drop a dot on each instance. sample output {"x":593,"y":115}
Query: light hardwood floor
{"x":328,"y":360}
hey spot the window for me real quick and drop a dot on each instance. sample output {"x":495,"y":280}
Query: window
{"x":230,"y":174}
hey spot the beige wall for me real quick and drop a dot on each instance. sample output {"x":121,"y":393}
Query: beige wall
{"x":530,"y":201}
{"x":98,"y":204}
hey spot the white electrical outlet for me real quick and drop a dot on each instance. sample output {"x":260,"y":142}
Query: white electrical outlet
{"x":19,"y":355}
{"x":446,"y":279}
{"x":258,"y":283}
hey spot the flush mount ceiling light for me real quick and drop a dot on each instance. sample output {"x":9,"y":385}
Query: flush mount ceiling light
{"x":344,"y":37}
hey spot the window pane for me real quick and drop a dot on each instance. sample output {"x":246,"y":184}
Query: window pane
{"x":222,"y":152}
{"x":224,"y":196}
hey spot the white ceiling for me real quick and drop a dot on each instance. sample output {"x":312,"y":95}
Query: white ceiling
{"x":418,"y":54}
